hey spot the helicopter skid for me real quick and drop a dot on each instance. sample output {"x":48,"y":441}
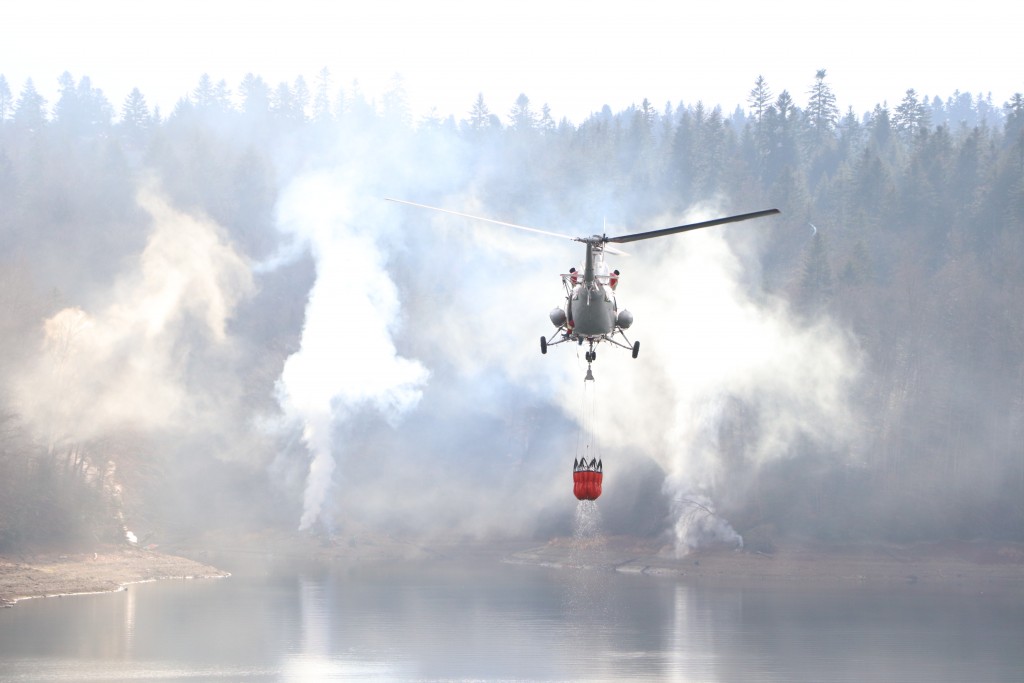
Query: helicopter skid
{"x":561,"y":336}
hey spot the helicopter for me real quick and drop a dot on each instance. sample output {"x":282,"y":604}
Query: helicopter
{"x":591,"y":314}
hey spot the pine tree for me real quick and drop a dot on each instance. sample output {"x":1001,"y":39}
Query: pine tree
{"x":99,"y":114}
{"x":851,"y":134}
{"x":960,"y":109}
{"x":522,"y":117}
{"x":204,"y":95}
{"x":284,"y":105}
{"x":708,"y":150}
{"x":222,"y":96}
{"x":1014,"y":113}
{"x":822,"y":112}
{"x":910,"y":116}
{"x":681,"y":155}
{"x":81,"y":109}
{"x":648,"y":113}
{"x":986,"y":111}
{"x":29,"y":111}
{"x":760,"y":99}
{"x":479,"y":115}
{"x":546,"y":124}
{"x":135,"y":119}
{"x":65,"y":110}
{"x":881,"y":126}
{"x":255,"y":95}
{"x":780,"y":139}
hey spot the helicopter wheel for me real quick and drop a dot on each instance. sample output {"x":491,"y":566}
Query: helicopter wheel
{"x":543,"y":345}
{"x":636,"y":349}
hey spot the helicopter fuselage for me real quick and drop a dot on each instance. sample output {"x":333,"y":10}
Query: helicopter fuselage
{"x":591,"y":314}
{"x":591,"y":304}
{"x":593,"y":310}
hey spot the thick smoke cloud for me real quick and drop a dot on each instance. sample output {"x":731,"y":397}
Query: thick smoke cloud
{"x":480,"y":424}
{"x":381,"y":370}
{"x":711,"y":340}
{"x":347,"y":357}
{"x":418,"y":391}
{"x":131,"y":362}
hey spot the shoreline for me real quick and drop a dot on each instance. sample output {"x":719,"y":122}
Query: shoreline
{"x":110,"y":569}
{"x":973,"y":566}
{"x":962,"y":564}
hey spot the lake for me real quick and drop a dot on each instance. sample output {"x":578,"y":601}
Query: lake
{"x":488,"y":620}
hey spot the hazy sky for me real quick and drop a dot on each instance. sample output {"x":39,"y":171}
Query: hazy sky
{"x":574,"y":56}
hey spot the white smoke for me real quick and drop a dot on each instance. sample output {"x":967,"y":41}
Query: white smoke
{"x":697,"y":525}
{"x":478,"y":301}
{"x":347,"y":357}
{"x":500,"y":285}
{"x":708,"y":338}
{"x":125,"y":364}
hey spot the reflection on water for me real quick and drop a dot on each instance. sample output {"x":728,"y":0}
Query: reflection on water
{"x":499,"y":621}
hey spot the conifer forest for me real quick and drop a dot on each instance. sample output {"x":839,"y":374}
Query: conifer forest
{"x":163,"y":271}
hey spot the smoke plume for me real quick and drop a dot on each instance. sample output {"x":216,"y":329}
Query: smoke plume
{"x":130,"y":363}
{"x":477,"y":298}
{"x":712,"y":339}
{"x":347,"y":358}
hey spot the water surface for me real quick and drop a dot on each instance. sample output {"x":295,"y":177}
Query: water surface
{"x":494,"y":621}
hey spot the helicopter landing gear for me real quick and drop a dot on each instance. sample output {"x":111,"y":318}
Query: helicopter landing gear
{"x":636,"y":348}
{"x":590,"y":356}
{"x":544,"y":346}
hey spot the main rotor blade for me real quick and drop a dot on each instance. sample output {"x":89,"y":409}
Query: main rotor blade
{"x":692,"y":226}
{"x":486,"y":220}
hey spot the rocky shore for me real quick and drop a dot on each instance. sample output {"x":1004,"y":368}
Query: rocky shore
{"x":108,"y":569}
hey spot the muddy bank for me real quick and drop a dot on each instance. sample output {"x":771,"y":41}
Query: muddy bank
{"x":969,"y":564}
{"x":107,"y":569}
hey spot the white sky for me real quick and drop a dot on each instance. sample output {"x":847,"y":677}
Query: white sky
{"x":574,"y":56}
